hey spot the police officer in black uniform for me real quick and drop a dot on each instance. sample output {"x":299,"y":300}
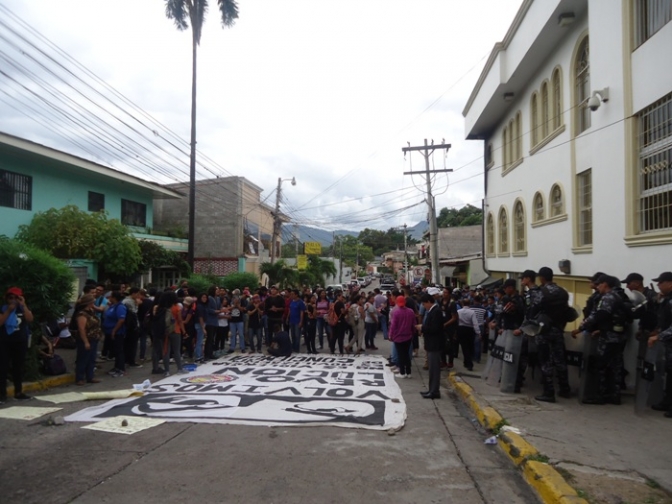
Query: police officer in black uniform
{"x":532,"y":294}
{"x":511,"y":316}
{"x":663,"y":333}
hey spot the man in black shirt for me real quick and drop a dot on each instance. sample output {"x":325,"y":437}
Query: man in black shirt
{"x":274,"y":307}
{"x":281,"y":345}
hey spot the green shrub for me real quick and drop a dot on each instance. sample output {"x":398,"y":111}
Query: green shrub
{"x":240,"y":281}
{"x":202,"y":282}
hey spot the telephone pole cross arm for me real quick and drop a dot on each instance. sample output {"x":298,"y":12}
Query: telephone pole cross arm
{"x":426,"y":151}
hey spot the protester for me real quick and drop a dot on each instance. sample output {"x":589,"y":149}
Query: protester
{"x":281,"y":346}
{"x":114,"y":327}
{"x":402,"y":322}
{"x":14,"y":336}
{"x":432,"y":332}
{"x":87,"y":335}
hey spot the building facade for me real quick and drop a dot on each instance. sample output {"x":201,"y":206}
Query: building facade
{"x":574,"y":108}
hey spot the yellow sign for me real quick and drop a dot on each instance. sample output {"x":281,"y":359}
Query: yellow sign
{"x":301,"y":262}
{"x":312,"y":248}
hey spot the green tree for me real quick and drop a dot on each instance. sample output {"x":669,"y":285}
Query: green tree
{"x":194,"y":10}
{"x":468,"y":215}
{"x":70,"y":233}
{"x":240,"y":281}
{"x":289,"y":250}
{"x":154,"y":256}
{"x":279,"y":273}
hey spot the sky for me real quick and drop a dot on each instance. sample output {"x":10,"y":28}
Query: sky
{"x":325,"y":91}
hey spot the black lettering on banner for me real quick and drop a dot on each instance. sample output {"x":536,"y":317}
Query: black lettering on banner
{"x":373,"y":383}
{"x":235,"y":370}
{"x":344,"y":383}
{"x":315,"y":372}
{"x":216,"y":388}
{"x":275,"y":379}
{"x":251,"y":389}
{"x":163,"y":387}
{"x":340,"y":392}
{"x":373,"y":392}
{"x":508,"y":357}
{"x":318,"y":391}
{"x":376,"y":376}
{"x":269,"y":372}
{"x":192,"y":387}
{"x":286,"y":389}
{"x":321,"y":381}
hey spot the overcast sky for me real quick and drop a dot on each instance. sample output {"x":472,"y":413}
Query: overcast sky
{"x":322,"y":90}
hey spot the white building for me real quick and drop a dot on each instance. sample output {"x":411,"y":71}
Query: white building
{"x":591,"y":189}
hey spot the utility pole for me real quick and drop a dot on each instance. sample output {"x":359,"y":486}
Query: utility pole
{"x":406,"y":254}
{"x":340,"y":262}
{"x":296,"y":240}
{"x":426,"y":151}
{"x":276,"y":220}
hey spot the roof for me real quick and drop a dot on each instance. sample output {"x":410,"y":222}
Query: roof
{"x":22,"y":145}
{"x":465,"y":242}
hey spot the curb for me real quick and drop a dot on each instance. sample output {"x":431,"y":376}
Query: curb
{"x":47,"y":383}
{"x":548,"y":483}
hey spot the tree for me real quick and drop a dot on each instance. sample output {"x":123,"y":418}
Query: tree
{"x":155,"y":256}
{"x":195,"y":10}
{"x":70,"y":233}
{"x":279,"y":273}
{"x":468,"y":215}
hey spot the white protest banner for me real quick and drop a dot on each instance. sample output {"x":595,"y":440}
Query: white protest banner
{"x":263,"y":390}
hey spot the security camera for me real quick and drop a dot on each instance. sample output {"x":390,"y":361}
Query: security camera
{"x":594,"y":103}
{"x":294,"y":178}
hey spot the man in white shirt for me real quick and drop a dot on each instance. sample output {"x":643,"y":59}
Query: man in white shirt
{"x":467,"y":330}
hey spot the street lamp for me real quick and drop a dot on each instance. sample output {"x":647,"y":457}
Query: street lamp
{"x":277,"y":222}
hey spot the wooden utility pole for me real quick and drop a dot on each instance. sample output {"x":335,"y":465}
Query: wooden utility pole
{"x":426,"y":151}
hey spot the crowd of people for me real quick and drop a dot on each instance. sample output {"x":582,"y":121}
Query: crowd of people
{"x":181,"y":325}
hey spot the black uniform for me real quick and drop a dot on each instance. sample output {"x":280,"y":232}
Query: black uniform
{"x":665,"y":336}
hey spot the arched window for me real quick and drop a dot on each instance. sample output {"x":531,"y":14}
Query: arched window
{"x":539,"y":211}
{"x":534,"y":119}
{"x":505,"y":149}
{"x":544,"y":110}
{"x":503,"y":225}
{"x":557,"y":99}
{"x":582,"y":83}
{"x":513,"y":155}
{"x":557,"y":203}
{"x":518,"y":227}
{"x":489,"y":160}
{"x":490,"y":236}
{"x":519,"y":137}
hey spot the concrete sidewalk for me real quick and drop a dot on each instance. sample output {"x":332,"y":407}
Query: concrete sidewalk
{"x":607,"y":453}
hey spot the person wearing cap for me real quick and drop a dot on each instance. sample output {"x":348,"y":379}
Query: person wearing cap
{"x":648,"y":313}
{"x":87,"y":335}
{"x":14,"y":333}
{"x":402,"y":321}
{"x":663,"y":333}
{"x":551,"y":343}
{"x":432,"y":333}
{"x":594,"y":299}
{"x":603,"y":321}
{"x":532,"y":295}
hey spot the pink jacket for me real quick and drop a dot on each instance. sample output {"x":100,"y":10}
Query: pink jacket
{"x":401,"y":325}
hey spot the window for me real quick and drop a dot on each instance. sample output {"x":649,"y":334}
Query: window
{"x":491,"y":234}
{"x":519,"y":227}
{"x":539,"y":212}
{"x":585,"y":208}
{"x":557,"y":99}
{"x":133,"y":213}
{"x":557,"y":203}
{"x":534,"y":119}
{"x":505,"y":149}
{"x":655,"y":166}
{"x":513,"y":155}
{"x":489,"y":160}
{"x":651,"y":16}
{"x":519,"y":137}
{"x":582,"y":72}
{"x":96,"y":201}
{"x":16,"y":190}
{"x":503,"y":231}
{"x":544,"y":110}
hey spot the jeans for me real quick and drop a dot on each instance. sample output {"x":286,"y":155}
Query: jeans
{"x":338,"y":334}
{"x":86,"y":360}
{"x":210,"y":335}
{"x":404,"y":357}
{"x":383,"y":325}
{"x":370,"y":329}
{"x":321,"y":329}
{"x":237,"y":332}
{"x":264,"y":327}
{"x":118,"y":346}
{"x":143,"y":342}
{"x":394,"y":359}
{"x":255,"y":333}
{"x":174,"y":344}
{"x":200,"y":335}
{"x":477,"y":348}
{"x":311,"y":327}
{"x":465,"y":336}
{"x":12,"y":352}
{"x":296,"y":337}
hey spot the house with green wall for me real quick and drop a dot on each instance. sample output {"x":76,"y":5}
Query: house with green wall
{"x":35,"y":178}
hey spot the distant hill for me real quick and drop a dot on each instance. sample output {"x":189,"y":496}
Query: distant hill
{"x":307,"y":233}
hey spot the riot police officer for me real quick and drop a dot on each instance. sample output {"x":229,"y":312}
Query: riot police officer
{"x":663,"y":333}
{"x":528,"y":355}
{"x":605,"y":322}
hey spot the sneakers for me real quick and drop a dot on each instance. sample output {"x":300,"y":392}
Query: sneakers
{"x":22,"y":397}
{"x":408,"y":376}
{"x":158,"y":371}
{"x":166,"y":374}
{"x":182,"y":371}
{"x":135,"y":365}
{"x":400,"y":376}
{"x":113,"y":371}
{"x":118,"y":374}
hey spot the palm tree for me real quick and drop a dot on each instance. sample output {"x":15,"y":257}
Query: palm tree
{"x":279,"y":273}
{"x":195,"y":10}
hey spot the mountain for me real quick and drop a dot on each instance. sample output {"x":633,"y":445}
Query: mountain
{"x":311,"y":234}
{"x":418,"y":230}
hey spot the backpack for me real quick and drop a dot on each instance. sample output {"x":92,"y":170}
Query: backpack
{"x":557,"y":308}
{"x":624,"y":312}
{"x":53,"y":366}
{"x":162,"y":323}
{"x":332,"y":318}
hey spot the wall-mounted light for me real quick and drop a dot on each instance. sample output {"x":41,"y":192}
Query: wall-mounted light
{"x":600,"y":96}
{"x":565,"y":266}
{"x":508,"y":97}
{"x":566,"y":19}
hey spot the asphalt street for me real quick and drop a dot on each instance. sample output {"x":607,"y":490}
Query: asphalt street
{"x":439,"y":456}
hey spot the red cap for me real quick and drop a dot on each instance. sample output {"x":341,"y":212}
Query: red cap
{"x":401,"y":301}
{"x":15,"y":290}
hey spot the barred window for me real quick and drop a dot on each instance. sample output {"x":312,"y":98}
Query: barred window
{"x":557,"y":202}
{"x":519,"y":227}
{"x":582,"y":73}
{"x":491,"y":234}
{"x":557,"y":99}
{"x":585,"y":208}
{"x":503,"y":231}
{"x":655,"y":166}
{"x":539,"y":211}
{"x":16,"y":190}
{"x":651,"y":16}
{"x":96,"y":201}
{"x":534,"y":119}
{"x":133,"y":213}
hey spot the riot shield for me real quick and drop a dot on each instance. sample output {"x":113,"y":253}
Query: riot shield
{"x":589,"y":385}
{"x":510,"y":361}
{"x":491,"y":359}
{"x":650,"y":380}
{"x":495,"y":372}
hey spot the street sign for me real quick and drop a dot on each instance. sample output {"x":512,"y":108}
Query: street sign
{"x":301,"y":262}
{"x":312,"y":248}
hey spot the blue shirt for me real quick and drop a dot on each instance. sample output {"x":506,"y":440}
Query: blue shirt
{"x":13,"y":322}
{"x":295,"y":308}
{"x":114,"y":314}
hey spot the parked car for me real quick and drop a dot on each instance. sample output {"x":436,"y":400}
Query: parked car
{"x":388,"y":285}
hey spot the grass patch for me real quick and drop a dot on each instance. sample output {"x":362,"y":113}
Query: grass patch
{"x":568,"y":476}
{"x":652,"y":483}
{"x":498,"y":427}
{"x":539,"y":457}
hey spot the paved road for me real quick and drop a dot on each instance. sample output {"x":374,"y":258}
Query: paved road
{"x":438,"y":457}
